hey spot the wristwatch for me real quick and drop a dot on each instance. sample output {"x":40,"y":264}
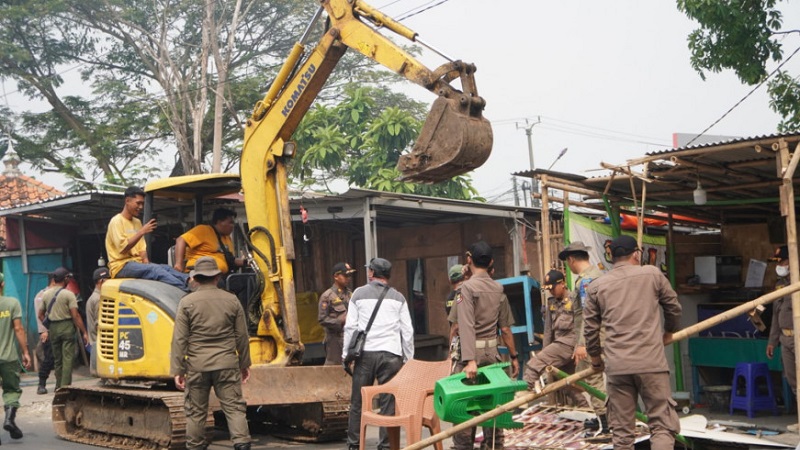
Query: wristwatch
{"x":514,"y":356}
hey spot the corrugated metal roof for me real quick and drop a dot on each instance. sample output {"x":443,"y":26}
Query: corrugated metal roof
{"x":740,"y":177}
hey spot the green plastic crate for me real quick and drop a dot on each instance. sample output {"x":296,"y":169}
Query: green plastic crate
{"x":456,"y":400}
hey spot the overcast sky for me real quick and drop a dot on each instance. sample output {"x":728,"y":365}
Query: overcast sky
{"x":610,"y":80}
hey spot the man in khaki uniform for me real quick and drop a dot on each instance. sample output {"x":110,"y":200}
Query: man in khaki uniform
{"x":781,"y":332}
{"x":60,"y":307}
{"x":559,"y":337}
{"x":333,"y":312}
{"x":478,"y":311}
{"x":210,"y":348}
{"x":628,"y":301}
{"x":576,"y":257}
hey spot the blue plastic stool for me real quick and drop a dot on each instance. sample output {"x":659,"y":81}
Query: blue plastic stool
{"x":747,"y":391}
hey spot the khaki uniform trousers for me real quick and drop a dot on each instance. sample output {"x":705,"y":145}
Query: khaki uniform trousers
{"x":559,"y":355}
{"x":596,"y":381}
{"x":787,"y":358}
{"x":654,"y":388}
{"x":492,"y":437}
{"x":227,"y":385}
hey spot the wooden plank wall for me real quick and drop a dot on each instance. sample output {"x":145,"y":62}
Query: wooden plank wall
{"x":689,"y":246}
{"x":331,"y":242}
{"x":750,"y":241}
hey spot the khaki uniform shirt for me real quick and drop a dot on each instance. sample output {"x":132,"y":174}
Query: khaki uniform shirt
{"x":506,"y":318}
{"x":333,"y":309}
{"x":66,"y":300}
{"x":578,"y":297}
{"x":781,"y":314}
{"x":210,"y":333}
{"x":478,"y":312}
{"x":628,"y":302}
{"x":559,"y":322}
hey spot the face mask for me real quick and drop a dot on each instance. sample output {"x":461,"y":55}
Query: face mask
{"x":782,"y":271}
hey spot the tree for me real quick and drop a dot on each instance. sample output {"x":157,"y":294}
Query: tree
{"x":164,"y":76}
{"x":744,"y":36}
{"x":360,"y":140}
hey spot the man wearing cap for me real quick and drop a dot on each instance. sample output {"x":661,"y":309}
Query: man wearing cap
{"x":210,"y":348}
{"x":212,"y":240}
{"x":44,"y":351}
{"x":60,"y":307}
{"x":10,"y":328}
{"x":629,"y":301}
{"x":333,"y":312}
{"x":576,"y":257}
{"x":456,"y":277}
{"x":389,"y":343}
{"x":478,"y":311}
{"x":781,"y":332}
{"x":99,"y":277}
{"x":559,"y":337}
{"x":127,"y":249}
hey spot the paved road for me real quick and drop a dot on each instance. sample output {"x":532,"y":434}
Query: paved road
{"x":34,"y":418}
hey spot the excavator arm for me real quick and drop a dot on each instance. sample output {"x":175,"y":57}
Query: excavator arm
{"x":454,"y":139}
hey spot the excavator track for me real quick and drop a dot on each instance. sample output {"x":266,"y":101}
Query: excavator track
{"x":314,"y":422}
{"x":122,"y":418}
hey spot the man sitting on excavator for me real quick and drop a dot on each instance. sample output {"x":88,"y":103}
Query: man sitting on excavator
{"x":127,"y":251}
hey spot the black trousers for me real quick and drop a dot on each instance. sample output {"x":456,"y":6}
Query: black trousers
{"x":373,"y":365}
{"x":46,"y":361}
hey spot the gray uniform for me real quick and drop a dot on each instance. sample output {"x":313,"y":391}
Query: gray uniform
{"x":578,"y":296}
{"x":478,"y":312}
{"x":628,"y":302}
{"x":781,"y":333}
{"x":92,"y":310}
{"x":210,"y":346}
{"x":331,"y":315}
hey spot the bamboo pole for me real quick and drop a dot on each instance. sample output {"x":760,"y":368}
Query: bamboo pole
{"x":677,"y":336}
{"x":756,"y":145}
{"x":545,"y":212}
{"x":786,"y":172}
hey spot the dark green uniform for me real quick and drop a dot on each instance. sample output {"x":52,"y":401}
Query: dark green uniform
{"x":9,"y":356}
{"x":62,"y":331}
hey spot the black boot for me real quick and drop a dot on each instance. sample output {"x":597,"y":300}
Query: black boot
{"x":42,"y":389}
{"x":241,"y":446}
{"x":604,"y":424}
{"x":9,"y":425}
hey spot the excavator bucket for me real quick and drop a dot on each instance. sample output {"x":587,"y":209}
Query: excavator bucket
{"x":455,"y":139}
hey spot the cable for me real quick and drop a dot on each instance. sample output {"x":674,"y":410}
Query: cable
{"x":421,"y":10}
{"x":744,"y":98}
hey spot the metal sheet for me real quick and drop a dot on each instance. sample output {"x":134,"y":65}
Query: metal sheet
{"x":294,"y":385}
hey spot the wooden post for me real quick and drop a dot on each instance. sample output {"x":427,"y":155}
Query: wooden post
{"x":678,"y":336}
{"x":788,"y":211}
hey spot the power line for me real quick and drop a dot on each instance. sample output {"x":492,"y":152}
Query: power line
{"x":421,"y":10}
{"x":744,"y":98}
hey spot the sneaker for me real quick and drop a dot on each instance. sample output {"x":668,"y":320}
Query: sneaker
{"x":41,"y":390}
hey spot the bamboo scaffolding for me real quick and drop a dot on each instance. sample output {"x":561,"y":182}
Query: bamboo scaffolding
{"x":577,"y":376}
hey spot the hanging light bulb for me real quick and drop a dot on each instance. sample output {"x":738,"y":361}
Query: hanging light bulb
{"x":700,"y":196}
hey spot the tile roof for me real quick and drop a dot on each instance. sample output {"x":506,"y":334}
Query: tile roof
{"x":21,"y":189}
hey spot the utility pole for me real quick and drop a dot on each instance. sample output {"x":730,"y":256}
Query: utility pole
{"x":516,"y":194}
{"x":528,"y":127}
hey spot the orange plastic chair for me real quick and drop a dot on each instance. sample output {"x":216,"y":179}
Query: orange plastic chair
{"x":412,"y":388}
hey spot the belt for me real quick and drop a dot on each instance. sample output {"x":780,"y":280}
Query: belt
{"x":787,"y":332}
{"x":486,"y":343}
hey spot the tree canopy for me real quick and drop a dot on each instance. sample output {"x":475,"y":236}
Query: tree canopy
{"x":169,"y":77}
{"x":745,"y":36}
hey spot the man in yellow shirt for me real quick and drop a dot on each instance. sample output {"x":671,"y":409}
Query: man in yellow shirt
{"x":127,"y":251}
{"x":209,"y":240}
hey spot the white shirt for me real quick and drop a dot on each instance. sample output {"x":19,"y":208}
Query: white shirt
{"x":391,"y":331}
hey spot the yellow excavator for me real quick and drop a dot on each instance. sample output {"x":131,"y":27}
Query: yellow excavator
{"x":134,"y":406}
